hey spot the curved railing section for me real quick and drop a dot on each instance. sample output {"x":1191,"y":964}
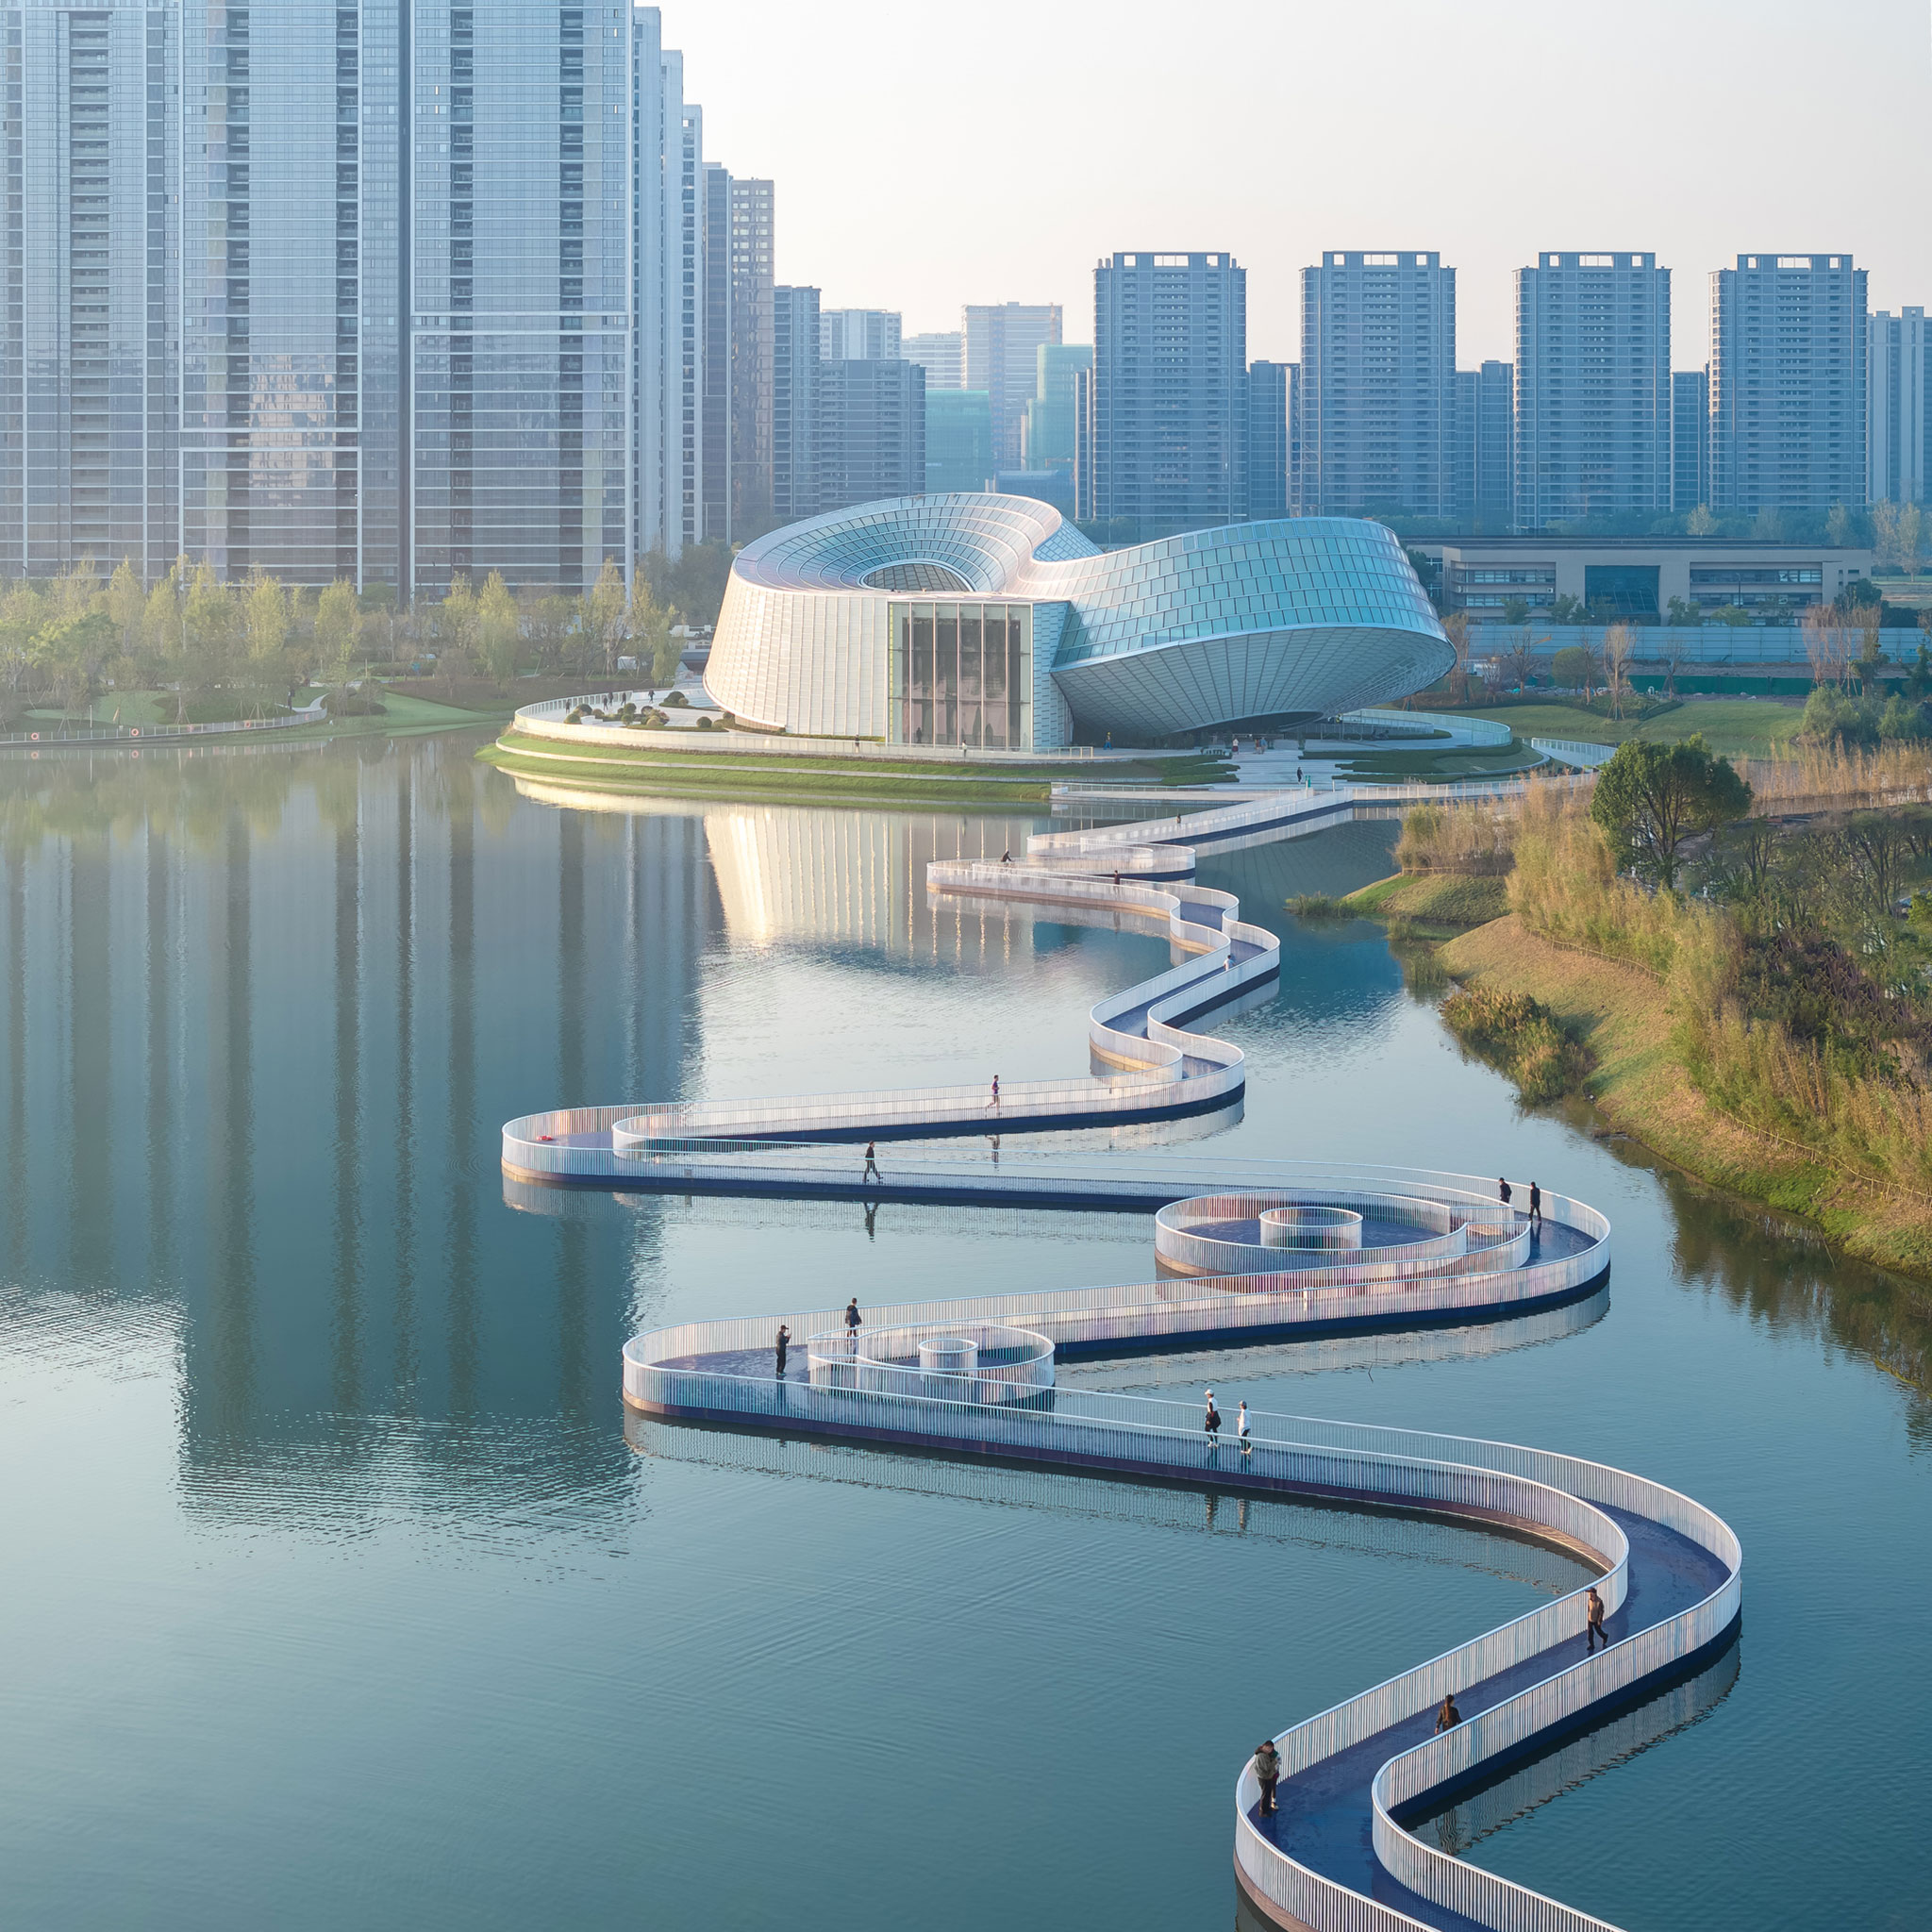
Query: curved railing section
{"x":1551,"y":1704}
{"x":973,"y":1376}
{"x":1163,"y":1069}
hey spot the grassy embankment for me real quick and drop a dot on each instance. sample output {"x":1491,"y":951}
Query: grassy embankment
{"x":1777,"y":1042}
{"x":401,"y":716}
{"x":1733,"y":728}
{"x":656,"y":766}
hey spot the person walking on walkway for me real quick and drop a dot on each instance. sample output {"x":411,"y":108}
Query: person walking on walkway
{"x":1448,"y":1717}
{"x":1240,"y":1430}
{"x":784,"y":1343}
{"x":872,"y":1165}
{"x":1211,"y":1422}
{"x":1267,"y":1764}
{"x":1503,"y":1193}
{"x":1536,"y":1206}
{"x":1593,"y":1628}
{"x":995,"y":1100}
{"x":852,"y":1319}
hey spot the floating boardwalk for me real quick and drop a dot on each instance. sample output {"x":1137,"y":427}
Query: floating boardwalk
{"x":1248,"y":1253}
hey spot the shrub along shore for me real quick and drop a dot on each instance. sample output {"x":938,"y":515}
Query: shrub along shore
{"x":1766,"y":1025}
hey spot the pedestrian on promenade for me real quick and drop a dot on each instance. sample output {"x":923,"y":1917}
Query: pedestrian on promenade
{"x":852,"y":1319}
{"x":1448,"y":1717}
{"x":995,"y":1100}
{"x":784,"y":1343}
{"x":1116,"y":881}
{"x":1267,"y":1763}
{"x":1536,"y":1206}
{"x":1240,"y":1430}
{"x":1503,"y":1193}
{"x":1593,"y":1628}
{"x":1006,"y":857}
{"x":872,"y":1166}
{"x":1211,"y":1422}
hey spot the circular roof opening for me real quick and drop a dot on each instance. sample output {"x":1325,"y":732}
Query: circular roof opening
{"x":917,"y":576}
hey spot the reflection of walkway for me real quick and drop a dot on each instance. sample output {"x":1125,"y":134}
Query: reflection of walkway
{"x":1337,"y":1853}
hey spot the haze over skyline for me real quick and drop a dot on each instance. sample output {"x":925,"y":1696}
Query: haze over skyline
{"x":1049,"y":137}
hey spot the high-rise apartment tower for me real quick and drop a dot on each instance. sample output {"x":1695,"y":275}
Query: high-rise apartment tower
{"x":1377,"y":383}
{"x":1592,"y":386}
{"x":1169,"y":421}
{"x":1787,"y":383}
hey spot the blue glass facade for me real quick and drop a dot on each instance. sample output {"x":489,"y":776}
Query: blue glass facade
{"x":520,"y":270}
{"x":387,"y":290}
{"x":290,"y":439}
{"x":88,"y":409}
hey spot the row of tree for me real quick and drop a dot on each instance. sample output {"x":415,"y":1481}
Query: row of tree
{"x":251,"y":645}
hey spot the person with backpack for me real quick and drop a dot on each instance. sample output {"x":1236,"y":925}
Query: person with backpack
{"x":1211,"y":1422}
{"x":1267,"y":1769}
{"x":853,"y":1320}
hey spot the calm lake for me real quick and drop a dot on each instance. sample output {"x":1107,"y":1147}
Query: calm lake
{"x":339,"y":1591}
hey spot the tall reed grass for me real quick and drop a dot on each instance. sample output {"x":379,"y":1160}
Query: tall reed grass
{"x":1816,"y":777}
{"x":1565,"y":888}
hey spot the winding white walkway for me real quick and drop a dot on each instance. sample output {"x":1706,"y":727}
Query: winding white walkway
{"x":1276,"y":1253}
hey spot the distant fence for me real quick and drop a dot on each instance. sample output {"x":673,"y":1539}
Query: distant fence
{"x":152,"y":734}
{"x":1654,"y":645}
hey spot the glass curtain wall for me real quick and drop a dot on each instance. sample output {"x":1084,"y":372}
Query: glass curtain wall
{"x":962,"y":673}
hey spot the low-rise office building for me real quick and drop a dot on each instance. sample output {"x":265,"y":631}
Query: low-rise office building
{"x":1639,"y":579}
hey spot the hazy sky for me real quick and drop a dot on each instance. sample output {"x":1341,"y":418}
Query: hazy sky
{"x":992,"y":150}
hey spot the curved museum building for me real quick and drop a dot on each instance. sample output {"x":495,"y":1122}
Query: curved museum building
{"x":986,"y":619}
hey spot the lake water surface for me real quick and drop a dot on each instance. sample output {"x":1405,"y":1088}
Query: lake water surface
{"x":340,"y":1590}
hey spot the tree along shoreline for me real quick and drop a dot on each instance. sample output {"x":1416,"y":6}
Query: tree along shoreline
{"x":1768,"y":1030}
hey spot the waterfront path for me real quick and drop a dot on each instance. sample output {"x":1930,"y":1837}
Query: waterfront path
{"x":1336,"y":1857}
{"x":1259,"y":1252}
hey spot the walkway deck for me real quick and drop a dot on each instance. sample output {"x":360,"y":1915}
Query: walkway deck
{"x":1335,"y":1855}
{"x":1325,"y":1819}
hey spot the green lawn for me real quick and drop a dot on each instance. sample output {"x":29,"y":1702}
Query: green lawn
{"x":142,"y":708}
{"x":1734,"y":727}
{"x":1460,"y":762}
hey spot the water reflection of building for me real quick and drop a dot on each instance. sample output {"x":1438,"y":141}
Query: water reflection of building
{"x":793,"y":874}
{"x":265,"y":1017}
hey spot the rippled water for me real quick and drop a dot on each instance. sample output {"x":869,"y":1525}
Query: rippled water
{"x":339,"y":1591}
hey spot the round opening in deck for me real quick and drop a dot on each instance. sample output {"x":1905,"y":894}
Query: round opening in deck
{"x":1304,"y":1226}
{"x":974,"y":1361}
